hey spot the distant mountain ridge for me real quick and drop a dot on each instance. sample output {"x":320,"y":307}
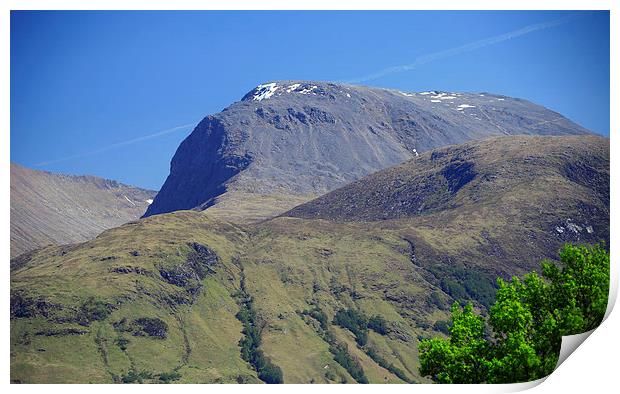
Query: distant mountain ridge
{"x":48,"y":208}
{"x":287,"y":142}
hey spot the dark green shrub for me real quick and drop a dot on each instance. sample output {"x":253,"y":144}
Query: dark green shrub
{"x":442,"y":326}
{"x":151,"y":326}
{"x":358,"y":324}
{"x":136,"y":377}
{"x":266,"y":370}
{"x":389,"y":366}
{"x":321,"y":317}
{"x":342,"y":357}
{"x":122,"y":343}
{"x":455,"y":289}
{"x":93,"y":309}
{"x":270,"y":373}
{"x":355,"y":322}
{"x":168,"y":377}
{"x":349,"y":318}
{"x":463,"y":284}
{"x":378,"y":325}
{"x":435,"y":299}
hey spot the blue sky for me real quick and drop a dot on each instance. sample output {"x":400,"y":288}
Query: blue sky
{"x":86,"y":87}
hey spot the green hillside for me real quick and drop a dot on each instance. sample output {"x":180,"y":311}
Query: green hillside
{"x":185,"y":297}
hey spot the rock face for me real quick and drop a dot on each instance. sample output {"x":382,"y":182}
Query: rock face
{"x":51,"y":208}
{"x":294,"y":140}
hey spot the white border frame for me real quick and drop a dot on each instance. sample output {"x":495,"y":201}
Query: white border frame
{"x":591,"y":368}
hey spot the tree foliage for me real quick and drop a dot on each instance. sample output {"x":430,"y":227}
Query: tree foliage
{"x":372,"y":353}
{"x":527,"y":322}
{"x":134,"y":376}
{"x":267,"y":371}
{"x":321,"y":317}
{"x":462,"y":283}
{"x":354,"y":321}
{"x":340,"y":350}
{"x":378,"y":324}
{"x":342,"y":357}
{"x":358,"y":323}
{"x":168,"y":377}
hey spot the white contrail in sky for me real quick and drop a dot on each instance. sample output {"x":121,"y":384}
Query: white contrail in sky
{"x":465,"y":48}
{"x":118,"y":144}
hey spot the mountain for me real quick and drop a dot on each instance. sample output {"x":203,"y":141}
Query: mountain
{"x":287,"y":142}
{"x":187,"y":297}
{"x":493,"y":174}
{"x":49,"y":208}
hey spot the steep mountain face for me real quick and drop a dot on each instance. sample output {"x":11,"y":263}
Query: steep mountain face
{"x":166,"y":294}
{"x":51,"y":208}
{"x":286,"y":142}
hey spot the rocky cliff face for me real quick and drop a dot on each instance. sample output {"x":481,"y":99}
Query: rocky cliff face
{"x":293,"y":140}
{"x":51,"y":208}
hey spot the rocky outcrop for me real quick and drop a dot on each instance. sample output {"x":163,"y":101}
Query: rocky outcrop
{"x":297,"y":139}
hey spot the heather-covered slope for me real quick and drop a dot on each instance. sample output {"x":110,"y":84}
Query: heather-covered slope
{"x":558,"y":171}
{"x":49,"y":208}
{"x":160,"y":297}
{"x":289,"y":141}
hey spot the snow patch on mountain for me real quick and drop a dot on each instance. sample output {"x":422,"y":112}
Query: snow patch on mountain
{"x":264,"y":91}
{"x":463,"y":106}
{"x":308,"y":90}
{"x":131,"y":202}
{"x":293,"y":87}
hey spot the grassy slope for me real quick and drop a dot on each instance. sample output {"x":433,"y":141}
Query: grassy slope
{"x":393,"y":268}
{"x":242,"y":207}
{"x":334,"y":269}
{"x":289,"y":263}
{"x":209,"y":324}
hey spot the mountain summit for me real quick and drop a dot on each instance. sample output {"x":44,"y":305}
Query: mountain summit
{"x":287,"y":142}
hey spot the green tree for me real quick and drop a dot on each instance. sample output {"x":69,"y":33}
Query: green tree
{"x":580,"y":286}
{"x":354,"y":321}
{"x":527,"y":321}
{"x":460,"y":359}
{"x":267,"y":371}
{"x":513,"y":355}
